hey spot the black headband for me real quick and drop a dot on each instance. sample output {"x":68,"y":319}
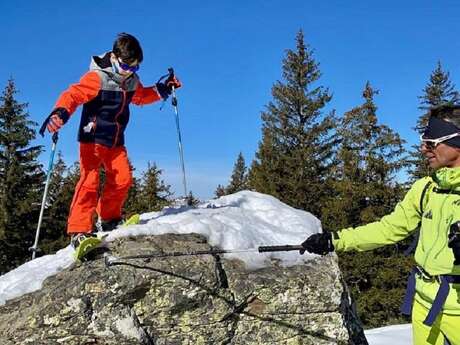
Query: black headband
{"x":438,"y":128}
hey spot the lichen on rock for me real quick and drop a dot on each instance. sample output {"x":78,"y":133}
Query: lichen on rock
{"x":184,"y":300}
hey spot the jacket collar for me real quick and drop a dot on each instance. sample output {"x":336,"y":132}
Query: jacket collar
{"x":103,"y":63}
{"x":448,"y":178}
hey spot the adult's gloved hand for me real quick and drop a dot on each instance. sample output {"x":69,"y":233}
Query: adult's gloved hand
{"x":318,"y":244}
{"x":454,"y":241}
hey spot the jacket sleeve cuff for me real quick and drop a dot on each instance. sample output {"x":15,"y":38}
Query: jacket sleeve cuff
{"x":62,"y":113}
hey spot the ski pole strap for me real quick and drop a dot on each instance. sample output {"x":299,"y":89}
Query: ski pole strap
{"x":170,"y":74}
{"x":444,"y":281}
{"x":44,"y":124}
{"x":285,"y":248}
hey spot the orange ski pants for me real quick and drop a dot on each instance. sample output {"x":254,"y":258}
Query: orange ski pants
{"x":86,"y":200}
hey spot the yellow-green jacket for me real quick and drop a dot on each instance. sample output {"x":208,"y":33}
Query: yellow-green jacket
{"x":441,"y":208}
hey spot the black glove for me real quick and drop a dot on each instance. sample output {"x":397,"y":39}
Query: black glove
{"x":318,"y":244}
{"x":163,"y":90}
{"x":454,"y":241}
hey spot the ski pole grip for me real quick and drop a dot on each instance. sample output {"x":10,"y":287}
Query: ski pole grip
{"x":286,"y":248}
{"x":55,"y":137}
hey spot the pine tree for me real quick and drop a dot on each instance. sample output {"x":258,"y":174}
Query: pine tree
{"x":439,"y":90}
{"x":62,"y":187}
{"x":220,"y":191}
{"x":21,"y":178}
{"x":294,"y":158}
{"x":370,"y":156}
{"x":191,"y":200}
{"x":131,"y":205}
{"x":238,"y":180}
{"x":154,"y":193}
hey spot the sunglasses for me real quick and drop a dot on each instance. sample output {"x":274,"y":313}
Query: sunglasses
{"x":127,"y":67}
{"x":432,"y":143}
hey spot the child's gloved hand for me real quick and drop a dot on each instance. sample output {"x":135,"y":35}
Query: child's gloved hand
{"x":54,"y":123}
{"x":173,"y":82}
{"x":165,"y":89}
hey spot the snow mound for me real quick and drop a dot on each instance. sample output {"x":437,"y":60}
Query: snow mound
{"x":243,"y":220}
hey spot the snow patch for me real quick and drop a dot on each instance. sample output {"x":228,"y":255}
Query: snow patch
{"x":240,"y":221}
{"x":394,"y":335}
{"x":127,"y":327}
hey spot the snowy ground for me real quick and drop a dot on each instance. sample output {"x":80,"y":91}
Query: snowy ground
{"x":391,"y":335}
{"x":243,"y":220}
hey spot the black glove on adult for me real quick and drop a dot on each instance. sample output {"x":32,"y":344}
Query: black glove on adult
{"x":318,"y":244}
{"x":454,"y":241}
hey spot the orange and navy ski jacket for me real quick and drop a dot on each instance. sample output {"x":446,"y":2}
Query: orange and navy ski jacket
{"x":105,"y":96}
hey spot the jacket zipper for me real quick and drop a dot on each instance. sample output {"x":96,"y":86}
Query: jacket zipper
{"x":116,"y":118}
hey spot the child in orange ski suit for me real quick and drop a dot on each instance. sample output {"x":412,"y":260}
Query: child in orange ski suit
{"x":105,"y":91}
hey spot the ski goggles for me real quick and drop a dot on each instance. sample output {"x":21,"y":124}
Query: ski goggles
{"x":440,"y":131}
{"x":127,"y":67}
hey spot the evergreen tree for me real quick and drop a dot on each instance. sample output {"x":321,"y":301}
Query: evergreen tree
{"x":294,"y":158}
{"x":131,"y":205}
{"x":154,"y":193}
{"x":439,"y":90}
{"x":238,"y":180}
{"x":62,"y":187}
{"x":21,"y":178}
{"x":191,"y":200}
{"x":220,"y":191}
{"x":370,"y":155}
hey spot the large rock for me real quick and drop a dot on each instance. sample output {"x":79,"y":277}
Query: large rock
{"x":184,"y":300}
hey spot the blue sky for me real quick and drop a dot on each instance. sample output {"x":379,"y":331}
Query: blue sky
{"x":228,"y":55}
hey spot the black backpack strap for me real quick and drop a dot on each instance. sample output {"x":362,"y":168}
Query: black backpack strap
{"x":422,"y":196}
{"x":414,"y":242}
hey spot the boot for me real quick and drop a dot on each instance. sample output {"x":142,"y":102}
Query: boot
{"x":108,"y":225}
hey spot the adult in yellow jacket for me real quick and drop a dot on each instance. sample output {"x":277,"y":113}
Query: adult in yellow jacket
{"x":433,"y":206}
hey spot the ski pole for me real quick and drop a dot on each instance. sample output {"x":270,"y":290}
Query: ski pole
{"x":176,"y":111}
{"x":181,"y":151}
{"x":34,"y":249}
{"x":113,"y":260}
